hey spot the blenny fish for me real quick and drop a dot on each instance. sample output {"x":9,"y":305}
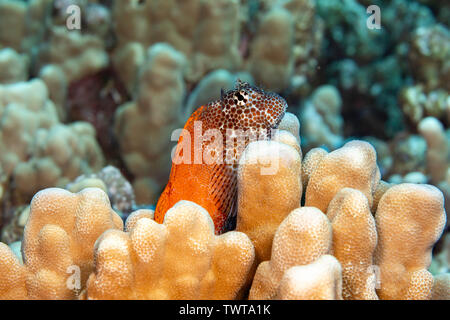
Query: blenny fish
{"x":244,"y":110}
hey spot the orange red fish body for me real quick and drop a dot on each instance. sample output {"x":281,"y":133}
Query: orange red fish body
{"x":204,"y":168}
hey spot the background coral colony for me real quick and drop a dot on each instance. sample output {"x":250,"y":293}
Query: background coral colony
{"x":100,"y":198}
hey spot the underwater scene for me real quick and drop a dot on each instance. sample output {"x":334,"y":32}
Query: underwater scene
{"x":224,"y":149}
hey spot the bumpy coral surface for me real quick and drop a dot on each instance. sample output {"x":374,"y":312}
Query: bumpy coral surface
{"x":87,"y":84}
{"x":58,"y":243}
{"x":155,"y":112}
{"x":37,"y":151}
{"x":415,"y":215}
{"x":353,"y":166}
{"x":110,"y":180}
{"x":320,"y":280}
{"x":354,"y":241}
{"x":301,"y":238}
{"x":260,"y":213}
{"x":179,"y":259}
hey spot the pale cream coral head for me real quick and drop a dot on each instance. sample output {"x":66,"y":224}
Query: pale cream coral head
{"x":179,"y":259}
{"x":261,"y":209}
{"x":415,"y":215}
{"x":319,"y":280}
{"x":353,"y":166}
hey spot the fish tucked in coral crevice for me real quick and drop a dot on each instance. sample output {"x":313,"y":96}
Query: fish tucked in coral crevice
{"x":204,"y":166}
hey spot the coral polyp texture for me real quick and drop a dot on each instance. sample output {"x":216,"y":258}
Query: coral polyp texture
{"x":179,"y":259}
{"x":331,"y":249}
{"x":320,"y":280}
{"x":260,"y":213}
{"x":353,"y":166}
{"x":155,"y":112}
{"x":354,"y":241}
{"x":404,"y":259}
{"x":344,"y":195}
{"x":303,"y":236}
{"x":59,"y":238}
{"x":37,"y":150}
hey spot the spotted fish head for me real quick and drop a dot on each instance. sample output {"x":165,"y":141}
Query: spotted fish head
{"x":248,"y":107}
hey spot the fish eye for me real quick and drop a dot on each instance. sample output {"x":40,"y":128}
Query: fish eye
{"x":240,"y":96}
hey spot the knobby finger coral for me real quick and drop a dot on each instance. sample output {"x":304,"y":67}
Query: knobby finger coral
{"x":36,"y":150}
{"x":110,"y":180}
{"x":438,"y":150}
{"x":353,"y":166}
{"x":409,"y":219}
{"x":77,"y":54}
{"x":12,"y":275}
{"x":303,"y":236}
{"x":209,"y":38}
{"x":155,"y":111}
{"x":321,"y":118}
{"x":319,"y":280}
{"x":269,"y":188}
{"x":354,"y":241}
{"x":291,"y":124}
{"x":437,"y":155}
{"x":58,"y":244}
{"x":271,"y":61}
{"x":310,"y":162}
{"x":13,"y":66}
{"x":179,"y":259}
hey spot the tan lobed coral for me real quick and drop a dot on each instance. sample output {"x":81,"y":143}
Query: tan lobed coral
{"x":144,"y":125}
{"x":209,"y":38}
{"x":291,"y":124}
{"x":77,"y":54}
{"x":57,"y":84}
{"x":303,"y":236}
{"x":354,"y":229}
{"x":110,"y":180}
{"x":319,"y":280}
{"x":271,"y":60}
{"x":415,"y":214}
{"x":179,"y":259}
{"x":12,"y":12}
{"x":12,"y":230}
{"x":352,"y":166}
{"x":321,"y":118}
{"x":417,"y":103}
{"x":275,"y":169}
{"x":41,"y":33}
{"x":429,"y":57}
{"x":310,"y":162}
{"x":437,"y":156}
{"x":354,"y":241}
{"x":438,"y":150}
{"x":430,"y":53}
{"x":36,"y":150}
{"x":13,"y":66}
{"x":299,"y":264}
{"x":224,"y":35}
{"x":12,"y":275}
{"x":58,"y":244}
{"x":286,"y":45}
